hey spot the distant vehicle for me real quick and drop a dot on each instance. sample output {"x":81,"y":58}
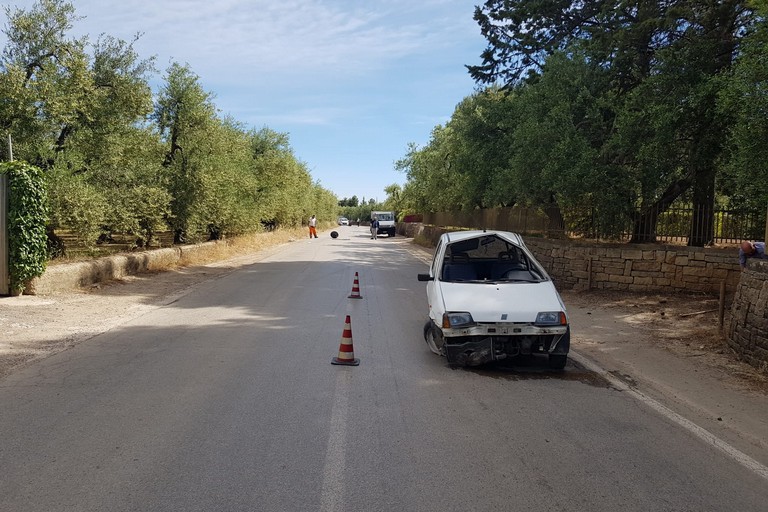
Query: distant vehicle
{"x":386,"y":222}
{"x":489,"y":299}
{"x":343,"y":221}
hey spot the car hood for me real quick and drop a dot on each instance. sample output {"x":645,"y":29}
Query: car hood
{"x":488,"y":302}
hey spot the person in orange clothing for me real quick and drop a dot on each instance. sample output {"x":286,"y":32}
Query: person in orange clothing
{"x":312,"y":227}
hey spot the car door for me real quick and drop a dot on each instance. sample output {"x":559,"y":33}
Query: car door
{"x":434,"y":296}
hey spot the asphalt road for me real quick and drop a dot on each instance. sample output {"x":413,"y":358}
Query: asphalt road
{"x":225,"y":400}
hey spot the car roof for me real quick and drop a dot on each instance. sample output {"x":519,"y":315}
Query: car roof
{"x":456,"y":236}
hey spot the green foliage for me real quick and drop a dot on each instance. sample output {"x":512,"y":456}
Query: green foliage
{"x":42,"y":79}
{"x":351,"y":201}
{"x":185,"y":115}
{"x":555,"y":149}
{"x":225,"y":180}
{"x":27,"y":217}
{"x":141,"y":210}
{"x":77,"y":205}
{"x":481,"y":130}
{"x":362,"y":210}
{"x":745,"y":97}
{"x":115,"y":162}
{"x":394,"y":199}
{"x":325,"y":204}
{"x":437,"y":183}
{"x":285,"y":192}
{"x":606,"y":107}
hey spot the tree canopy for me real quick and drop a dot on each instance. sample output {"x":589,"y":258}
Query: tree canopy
{"x":618,"y":106}
{"x":117,"y":159}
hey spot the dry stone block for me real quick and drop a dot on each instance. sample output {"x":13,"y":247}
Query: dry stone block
{"x":697,"y":271}
{"x":630,"y":254}
{"x":648,"y":266}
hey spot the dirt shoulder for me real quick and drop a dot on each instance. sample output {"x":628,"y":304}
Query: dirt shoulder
{"x":36,"y":326}
{"x":683,"y":325}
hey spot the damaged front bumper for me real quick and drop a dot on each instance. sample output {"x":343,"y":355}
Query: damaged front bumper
{"x":484,"y":343}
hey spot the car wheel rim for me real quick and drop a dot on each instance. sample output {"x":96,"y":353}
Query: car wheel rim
{"x":431,"y":342}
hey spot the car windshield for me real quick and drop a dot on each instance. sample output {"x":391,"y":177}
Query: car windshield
{"x":489,"y":259}
{"x":384,"y":216}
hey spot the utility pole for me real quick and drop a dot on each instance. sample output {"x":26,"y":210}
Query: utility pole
{"x":5,"y":282}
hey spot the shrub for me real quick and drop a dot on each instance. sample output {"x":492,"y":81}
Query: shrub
{"x":27,"y":217}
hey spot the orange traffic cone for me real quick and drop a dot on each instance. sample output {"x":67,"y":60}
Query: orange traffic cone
{"x":355,"y":289}
{"x":346,"y":352}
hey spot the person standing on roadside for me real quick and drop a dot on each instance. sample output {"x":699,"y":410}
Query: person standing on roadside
{"x":312,"y":227}
{"x":374,"y":228}
{"x":751,"y":250}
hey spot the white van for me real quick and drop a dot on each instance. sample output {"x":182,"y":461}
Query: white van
{"x":386,"y":222}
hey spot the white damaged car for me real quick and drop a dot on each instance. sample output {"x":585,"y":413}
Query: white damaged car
{"x":489,"y":299}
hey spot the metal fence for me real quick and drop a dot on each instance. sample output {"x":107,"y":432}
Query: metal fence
{"x":673,"y":225}
{"x":519,"y":220}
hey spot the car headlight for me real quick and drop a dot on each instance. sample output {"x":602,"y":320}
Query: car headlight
{"x":551,"y":318}
{"x":457,"y":320}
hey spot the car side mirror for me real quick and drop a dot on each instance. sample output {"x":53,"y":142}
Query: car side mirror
{"x":425,"y":277}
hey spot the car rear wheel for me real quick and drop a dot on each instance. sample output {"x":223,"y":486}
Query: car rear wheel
{"x":557,"y":361}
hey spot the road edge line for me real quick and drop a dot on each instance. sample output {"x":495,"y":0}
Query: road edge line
{"x":700,"y":432}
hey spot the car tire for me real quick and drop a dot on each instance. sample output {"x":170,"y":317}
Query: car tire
{"x":557,"y":361}
{"x":430,"y":336}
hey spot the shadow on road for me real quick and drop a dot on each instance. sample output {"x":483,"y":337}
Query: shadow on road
{"x":535,"y":368}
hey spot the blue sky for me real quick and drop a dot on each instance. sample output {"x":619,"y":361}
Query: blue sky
{"x":351,"y":82}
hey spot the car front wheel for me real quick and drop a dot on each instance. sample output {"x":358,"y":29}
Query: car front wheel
{"x":432,"y":339}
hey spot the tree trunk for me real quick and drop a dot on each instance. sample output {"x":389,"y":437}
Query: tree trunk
{"x":702,"y":231}
{"x":555,"y":220}
{"x":644,"y":226}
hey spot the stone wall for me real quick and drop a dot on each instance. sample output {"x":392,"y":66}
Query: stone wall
{"x":71,"y":276}
{"x":747,"y":326}
{"x":638,"y":268}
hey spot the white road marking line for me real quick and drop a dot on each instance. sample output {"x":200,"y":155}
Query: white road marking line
{"x":703,"y":434}
{"x":333,"y":469}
